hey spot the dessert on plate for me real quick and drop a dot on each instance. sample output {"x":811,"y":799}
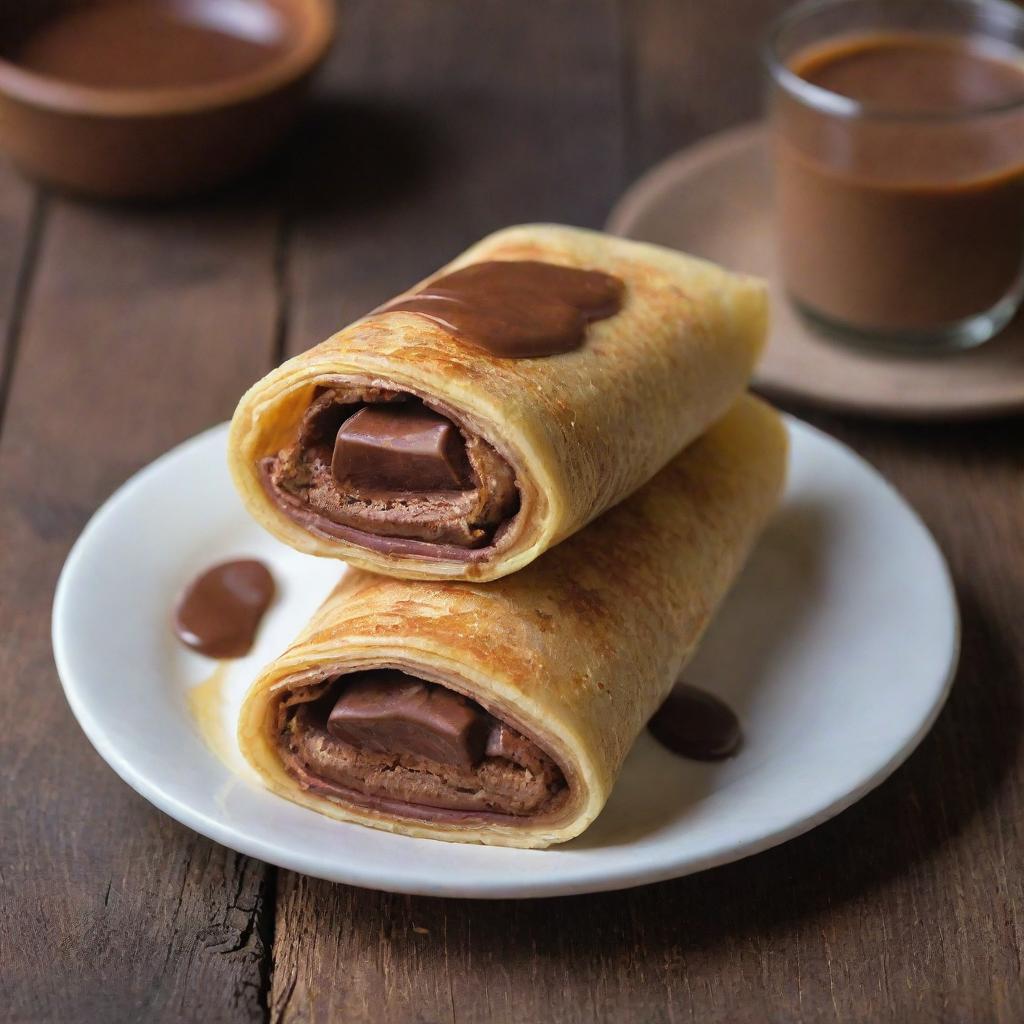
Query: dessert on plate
{"x":469,"y":425}
{"x":501,"y":713}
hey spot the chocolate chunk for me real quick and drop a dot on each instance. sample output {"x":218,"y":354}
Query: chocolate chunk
{"x":418,"y":788}
{"x":517,"y":308}
{"x":400,"y":447}
{"x":219,"y":612}
{"x":502,"y":742}
{"x":388,"y":712}
{"x":694,"y":723}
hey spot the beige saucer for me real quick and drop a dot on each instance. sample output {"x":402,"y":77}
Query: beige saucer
{"x":714,"y":200}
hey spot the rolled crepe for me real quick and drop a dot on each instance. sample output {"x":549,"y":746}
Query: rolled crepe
{"x":549,"y":442}
{"x":551,"y":673}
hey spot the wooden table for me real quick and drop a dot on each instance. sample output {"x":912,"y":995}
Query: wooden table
{"x":124,"y":331}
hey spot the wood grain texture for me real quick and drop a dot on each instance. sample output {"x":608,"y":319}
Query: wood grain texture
{"x":21,"y":218}
{"x":437,"y":122}
{"x":142,"y":328}
{"x":692,"y":68}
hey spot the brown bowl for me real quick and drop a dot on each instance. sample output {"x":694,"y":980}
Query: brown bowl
{"x":79,"y":112}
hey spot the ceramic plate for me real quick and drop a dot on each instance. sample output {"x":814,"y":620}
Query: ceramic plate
{"x":837,"y":647}
{"x":715,"y":200}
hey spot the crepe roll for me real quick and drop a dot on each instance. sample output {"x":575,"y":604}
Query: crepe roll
{"x":502,"y":713}
{"x":465,"y":427}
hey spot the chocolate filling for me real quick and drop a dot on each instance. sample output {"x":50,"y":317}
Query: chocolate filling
{"x":380,"y":467}
{"x":389,"y":741}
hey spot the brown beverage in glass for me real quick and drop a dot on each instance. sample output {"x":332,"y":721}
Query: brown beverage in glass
{"x":899,"y":159}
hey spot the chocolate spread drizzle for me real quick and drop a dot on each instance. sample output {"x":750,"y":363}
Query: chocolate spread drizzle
{"x":693,"y":723}
{"x":517,"y":308}
{"x":219,"y":612}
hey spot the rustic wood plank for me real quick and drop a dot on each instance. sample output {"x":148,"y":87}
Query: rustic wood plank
{"x":21,"y":216}
{"x":692,"y":68}
{"x":143,"y":327}
{"x":438,"y":123}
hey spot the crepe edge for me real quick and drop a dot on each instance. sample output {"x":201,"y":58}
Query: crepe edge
{"x":588,"y":791}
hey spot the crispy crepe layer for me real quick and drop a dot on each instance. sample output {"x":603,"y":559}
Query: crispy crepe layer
{"x":575,"y":652}
{"x":579,"y":431}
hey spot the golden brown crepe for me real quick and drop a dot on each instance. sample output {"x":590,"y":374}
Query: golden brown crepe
{"x":573,"y":654}
{"x":554,"y":440}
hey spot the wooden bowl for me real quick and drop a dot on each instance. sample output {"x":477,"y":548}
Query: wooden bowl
{"x":98,"y":130}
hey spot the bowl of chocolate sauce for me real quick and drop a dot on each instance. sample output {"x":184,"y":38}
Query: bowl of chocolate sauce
{"x":898,"y":145}
{"x":144,"y":99}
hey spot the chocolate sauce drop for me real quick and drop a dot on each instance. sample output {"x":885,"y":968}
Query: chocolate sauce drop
{"x":693,"y":723}
{"x":517,"y":308}
{"x":219,"y":612}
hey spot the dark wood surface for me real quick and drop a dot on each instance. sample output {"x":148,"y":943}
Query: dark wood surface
{"x":124,"y":331}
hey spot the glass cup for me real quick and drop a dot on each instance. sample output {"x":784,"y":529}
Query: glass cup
{"x":898,"y":146}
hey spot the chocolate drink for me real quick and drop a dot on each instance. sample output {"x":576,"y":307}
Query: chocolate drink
{"x":907,"y":215}
{"x":124,"y":44}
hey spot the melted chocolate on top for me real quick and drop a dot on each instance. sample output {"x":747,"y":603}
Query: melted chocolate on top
{"x":517,"y":308}
{"x":219,"y":612}
{"x":693,"y":723}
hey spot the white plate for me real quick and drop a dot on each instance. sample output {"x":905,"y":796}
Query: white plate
{"x":837,"y":647}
